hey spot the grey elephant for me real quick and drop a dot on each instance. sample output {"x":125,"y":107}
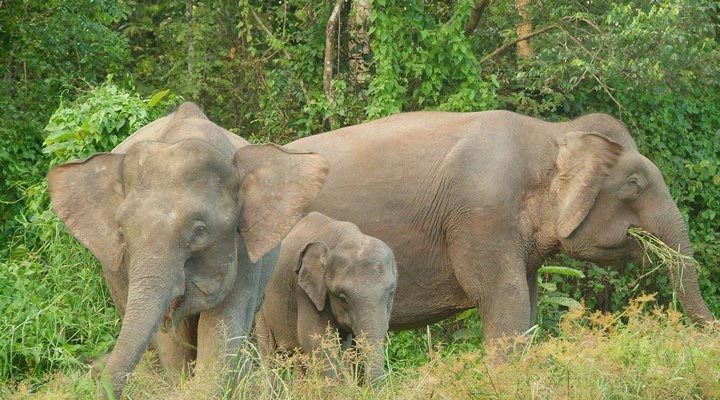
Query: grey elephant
{"x":179,"y":215}
{"x":473,"y":203}
{"x":328,"y":273}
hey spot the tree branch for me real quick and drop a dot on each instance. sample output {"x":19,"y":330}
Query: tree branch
{"x":507,"y":45}
{"x":284,"y":50}
{"x":478,"y":11}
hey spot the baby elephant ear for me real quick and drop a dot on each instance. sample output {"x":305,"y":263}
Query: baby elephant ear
{"x":311,"y":272}
{"x":85,"y":195}
{"x":583,"y":163}
{"x":277,"y":186}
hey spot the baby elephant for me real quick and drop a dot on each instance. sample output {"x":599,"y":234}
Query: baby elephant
{"x":328,"y":273}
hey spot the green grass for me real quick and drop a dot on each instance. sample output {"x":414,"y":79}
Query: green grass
{"x":55,"y":311}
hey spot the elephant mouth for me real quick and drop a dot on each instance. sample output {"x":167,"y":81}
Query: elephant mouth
{"x":168,"y":317}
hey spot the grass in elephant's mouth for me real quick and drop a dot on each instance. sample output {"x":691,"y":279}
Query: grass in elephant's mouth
{"x":660,"y":254}
{"x":645,"y":354}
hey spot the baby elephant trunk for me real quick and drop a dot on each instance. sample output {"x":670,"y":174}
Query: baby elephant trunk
{"x":374,"y":347}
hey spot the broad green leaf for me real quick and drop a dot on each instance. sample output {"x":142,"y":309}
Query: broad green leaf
{"x":559,"y":270}
{"x":157,"y":97}
{"x":563,"y":301}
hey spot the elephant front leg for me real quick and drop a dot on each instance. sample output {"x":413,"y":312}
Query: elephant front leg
{"x":225,"y":330}
{"x":495,"y":278}
{"x":312,"y":329}
{"x":505,"y":306}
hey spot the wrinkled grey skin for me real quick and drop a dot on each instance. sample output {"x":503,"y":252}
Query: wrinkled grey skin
{"x":179,"y":215}
{"x":473,"y":203}
{"x":329,"y":273}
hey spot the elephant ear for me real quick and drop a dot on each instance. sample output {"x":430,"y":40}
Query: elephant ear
{"x":311,"y":272}
{"x":277,"y":186}
{"x":85,"y":195}
{"x":583,"y":163}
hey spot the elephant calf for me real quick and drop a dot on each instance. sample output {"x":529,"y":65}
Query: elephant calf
{"x":328,"y":273}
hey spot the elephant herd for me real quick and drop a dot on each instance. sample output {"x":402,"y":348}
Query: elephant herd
{"x":387,"y":225}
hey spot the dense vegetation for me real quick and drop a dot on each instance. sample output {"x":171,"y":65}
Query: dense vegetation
{"x":80,"y":76}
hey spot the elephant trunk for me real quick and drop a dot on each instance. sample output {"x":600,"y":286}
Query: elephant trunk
{"x":684,"y":276}
{"x":374,"y":335}
{"x":150,"y":295}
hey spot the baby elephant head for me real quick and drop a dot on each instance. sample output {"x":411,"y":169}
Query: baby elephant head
{"x":356,"y":278}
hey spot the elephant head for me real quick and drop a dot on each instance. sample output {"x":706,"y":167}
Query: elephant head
{"x":356,"y":278}
{"x":603,"y":187}
{"x":174,"y":217}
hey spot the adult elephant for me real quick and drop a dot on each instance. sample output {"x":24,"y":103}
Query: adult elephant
{"x":473,"y":203}
{"x":177,"y":214}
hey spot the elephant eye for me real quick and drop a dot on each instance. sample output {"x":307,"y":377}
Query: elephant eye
{"x":198,"y":234}
{"x":631,"y":188}
{"x":199,"y":229}
{"x":343,"y":298}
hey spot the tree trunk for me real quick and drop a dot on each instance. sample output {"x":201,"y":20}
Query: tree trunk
{"x":190,"y":59}
{"x":478,"y":10}
{"x":330,"y":33}
{"x":524,"y":49}
{"x":359,"y":41}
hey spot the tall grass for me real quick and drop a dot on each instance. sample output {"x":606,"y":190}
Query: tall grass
{"x":54,"y":308}
{"x":55,"y":316}
{"x":641,"y":352}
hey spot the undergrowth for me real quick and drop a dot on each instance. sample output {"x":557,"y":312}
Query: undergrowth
{"x":644,"y":351}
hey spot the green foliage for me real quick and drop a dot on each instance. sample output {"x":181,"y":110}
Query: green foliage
{"x":220,"y":55}
{"x":53,"y":301}
{"x":99,"y":121}
{"x":48,"y":50}
{"x":425,"y":63}
{"x":54,"y":307}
